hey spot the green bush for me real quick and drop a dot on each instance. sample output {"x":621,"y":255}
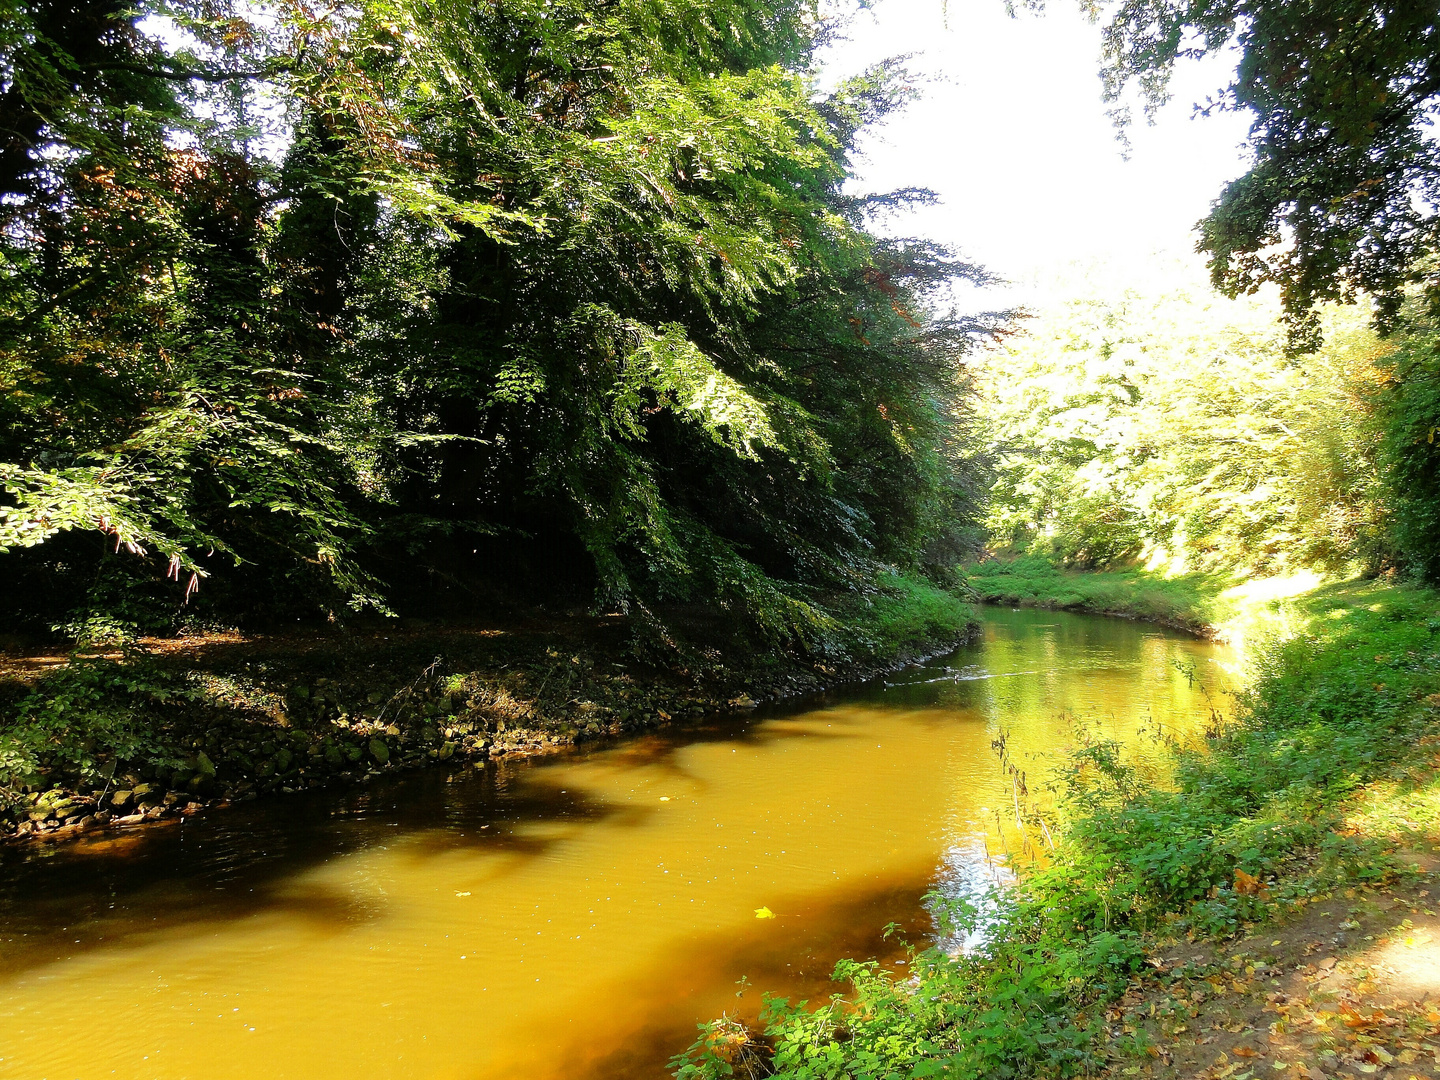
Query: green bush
{"x":1410,"y":455}
{"x":76,"y":723}
{"x":906,"y":614}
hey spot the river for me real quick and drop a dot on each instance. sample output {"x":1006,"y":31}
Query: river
{"x":569,"y":916}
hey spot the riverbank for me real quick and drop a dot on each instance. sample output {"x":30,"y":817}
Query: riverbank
{"x":1237,"y":610}
{"x":175,"y":726}
{"x":1272,"y":910}
{"x":1191,"y":602}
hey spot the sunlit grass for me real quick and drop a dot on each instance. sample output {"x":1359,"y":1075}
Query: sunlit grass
{"x":1185,"y":600}
{"x":1407,"y":812}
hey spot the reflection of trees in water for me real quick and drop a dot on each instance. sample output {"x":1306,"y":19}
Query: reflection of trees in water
{"x":964,"y":903}
{"x":1048,"y":684}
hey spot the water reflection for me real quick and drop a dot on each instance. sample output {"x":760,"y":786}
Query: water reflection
{"x":569,"y":916}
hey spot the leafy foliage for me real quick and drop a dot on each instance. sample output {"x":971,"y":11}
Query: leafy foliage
{"x":334,"y":307}
{"x":1170,"y":426}
{"x":1341,"y":197}
{"x":90,"y":715}
{"x":1409,"y":454}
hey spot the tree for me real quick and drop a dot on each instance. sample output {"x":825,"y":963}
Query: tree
{"x":573,"y":285}
{"x":1168,"y":425}
{"x":1343,"y":196}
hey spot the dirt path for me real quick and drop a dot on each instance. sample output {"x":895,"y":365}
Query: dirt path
{"x":1346,"y":984}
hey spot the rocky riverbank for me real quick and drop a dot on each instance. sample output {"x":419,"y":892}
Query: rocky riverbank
{"x":179,"y":727}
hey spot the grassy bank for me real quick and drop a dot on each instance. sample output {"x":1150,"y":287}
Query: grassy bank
{"x":1321,"y":785}
{"x":173,"y":726}
{"x":1231,"y":608}
{"x":1189,"y":601}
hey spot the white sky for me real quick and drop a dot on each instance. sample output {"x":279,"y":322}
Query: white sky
{"x":1012,"y":134}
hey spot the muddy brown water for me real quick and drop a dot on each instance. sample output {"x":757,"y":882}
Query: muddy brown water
{"x":573,"y":916}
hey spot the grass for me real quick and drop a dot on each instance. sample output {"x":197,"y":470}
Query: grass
{"x":1237,"y":610}
{"x":1190,"y":601}
{"x":1326,"y":770}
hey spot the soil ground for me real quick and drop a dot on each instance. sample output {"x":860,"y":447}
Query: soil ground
{"x":1344,"y":985}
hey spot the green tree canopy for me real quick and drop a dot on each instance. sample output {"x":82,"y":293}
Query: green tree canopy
{"x":1343,"y":195}
{"x":367,"y":304}
{"x":1167,"y":425}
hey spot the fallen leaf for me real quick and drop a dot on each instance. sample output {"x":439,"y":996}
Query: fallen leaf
{"x":1327,"y":963}
{"x":764,"y":913}
{"x":1244,"y":1051}
{"x":1352,"y":1016}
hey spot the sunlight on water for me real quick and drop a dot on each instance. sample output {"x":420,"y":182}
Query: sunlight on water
{"x":573,"y":916}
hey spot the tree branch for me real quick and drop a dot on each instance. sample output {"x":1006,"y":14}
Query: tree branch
{"x":187,"y":76}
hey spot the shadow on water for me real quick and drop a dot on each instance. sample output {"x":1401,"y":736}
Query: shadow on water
{"x":105,"y":897}
{"x":194,"y":874}
{"x":700,"y":978}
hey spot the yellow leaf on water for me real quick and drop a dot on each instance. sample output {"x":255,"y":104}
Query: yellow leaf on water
{"x":764,"y":913}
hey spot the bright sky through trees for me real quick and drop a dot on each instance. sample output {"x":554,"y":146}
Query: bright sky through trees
{"x":1013,"y":135}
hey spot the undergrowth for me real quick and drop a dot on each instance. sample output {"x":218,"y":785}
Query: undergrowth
{"x":1333,"y":741}
{"x":89,"y":712}
{"x":906,"y":614}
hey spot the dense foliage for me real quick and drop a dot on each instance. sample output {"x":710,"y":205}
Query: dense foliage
{"x":393,"y":304}
{"x":1342,"y":196}
{"x":1169,"y":426}
{"x":1409,"y":456}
